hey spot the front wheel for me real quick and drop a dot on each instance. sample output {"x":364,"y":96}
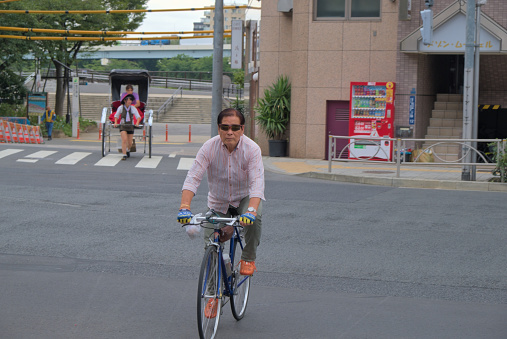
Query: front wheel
{"x":240,"y":284}
{"x":209,"y":293}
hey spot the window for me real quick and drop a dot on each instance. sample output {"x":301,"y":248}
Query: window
{"x":346,"y":9}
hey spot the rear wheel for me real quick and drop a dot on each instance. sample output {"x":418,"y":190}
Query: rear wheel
{"x":240,"y":284}
{"x":208,"y":292}
{"x":103,"y":139}
{"x":149,"y":141}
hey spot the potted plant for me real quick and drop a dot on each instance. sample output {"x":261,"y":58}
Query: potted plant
{"x":273,"y":113}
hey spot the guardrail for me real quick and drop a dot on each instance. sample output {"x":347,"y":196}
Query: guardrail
{"x":335,"y":154}
{"x":169,"y":101}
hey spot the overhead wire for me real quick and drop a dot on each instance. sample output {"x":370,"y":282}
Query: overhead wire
{"x":104,"y":32}
{"x":115,"y":11}
{"x":55,"y":38}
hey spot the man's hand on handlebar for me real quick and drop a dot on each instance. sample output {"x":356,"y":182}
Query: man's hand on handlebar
{"x":246,"y":219}
{"x":184,"y":216}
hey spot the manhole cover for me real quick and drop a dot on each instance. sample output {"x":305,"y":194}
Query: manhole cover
{"x":379,"y":172}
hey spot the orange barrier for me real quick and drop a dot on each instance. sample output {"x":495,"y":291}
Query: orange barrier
{"x":20,"y":133}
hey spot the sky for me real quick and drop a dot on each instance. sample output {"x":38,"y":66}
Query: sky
{"x":181,"y":21}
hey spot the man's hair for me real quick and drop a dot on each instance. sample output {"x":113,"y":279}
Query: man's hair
{"x":129,"y":87}
{"x":231,"y":112}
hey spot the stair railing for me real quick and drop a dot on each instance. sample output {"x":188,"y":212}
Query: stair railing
{"x":169,"y":101}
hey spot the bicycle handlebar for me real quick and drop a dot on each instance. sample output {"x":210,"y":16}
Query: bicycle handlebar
{"x":209,"y":217}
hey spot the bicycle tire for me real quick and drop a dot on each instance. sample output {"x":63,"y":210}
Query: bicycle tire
{"x":208,"y":290}
{"x":103,"y":139}
{"x":150,"y":141}
{"x":239,"y":298}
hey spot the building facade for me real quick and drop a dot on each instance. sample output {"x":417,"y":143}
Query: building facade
{"x":323,"y":47}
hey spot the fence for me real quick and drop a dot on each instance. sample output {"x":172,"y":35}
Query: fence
{"x":397,"y":151}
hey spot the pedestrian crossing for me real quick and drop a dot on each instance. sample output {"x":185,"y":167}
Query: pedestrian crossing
{"x":75,"y":158}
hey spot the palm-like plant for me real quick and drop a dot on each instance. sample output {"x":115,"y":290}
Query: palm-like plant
{"x":274,"y":109}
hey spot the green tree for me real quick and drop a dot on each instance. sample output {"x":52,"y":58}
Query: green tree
{"x":65,"y":52}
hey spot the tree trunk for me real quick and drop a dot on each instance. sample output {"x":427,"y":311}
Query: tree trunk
{"x":61,"y":91}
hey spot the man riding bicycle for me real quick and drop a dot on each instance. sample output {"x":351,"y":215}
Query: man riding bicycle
{"x":233,"y":163}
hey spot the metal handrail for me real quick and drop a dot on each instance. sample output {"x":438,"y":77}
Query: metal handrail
{"x":335,"y":155}
{"x":169,"y":101}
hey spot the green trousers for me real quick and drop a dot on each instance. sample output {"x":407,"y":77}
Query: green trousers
{"x":252,"y":232}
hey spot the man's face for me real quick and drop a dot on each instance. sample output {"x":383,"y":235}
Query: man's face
{"x":230,"y":138}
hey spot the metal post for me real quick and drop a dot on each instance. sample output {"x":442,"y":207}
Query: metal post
{"x":218,"y":56}
{"x":475,"y":119}
{"x":468,"y":101}
{"x":398,"y":157}
{"x":329,"y":155}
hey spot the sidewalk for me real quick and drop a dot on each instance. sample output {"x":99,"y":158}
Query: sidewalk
{"x":377,"y":173}
{"x":383,"y":174}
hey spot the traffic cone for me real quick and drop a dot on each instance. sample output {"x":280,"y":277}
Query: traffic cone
{"x":7,"y":131}
{"x":38,"y":135}
{"x":19,"y":129}
{"x":26,"y":134}
{"x":14,"y":136}
{"x":32,"y":134}
{"x":2,"y":136}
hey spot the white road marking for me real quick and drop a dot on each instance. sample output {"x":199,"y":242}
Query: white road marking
{"x":109,"y":160}
{"x":28,"y":160}
{"x":147,"y":162}
{"x":172,"y":155}
{"x":185,"y":164}
{"x":72,"y":158}
{"x":9,"y":151}
{"x":40,"y":154}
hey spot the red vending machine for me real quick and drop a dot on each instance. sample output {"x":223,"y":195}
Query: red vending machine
{"x":371,"y":114}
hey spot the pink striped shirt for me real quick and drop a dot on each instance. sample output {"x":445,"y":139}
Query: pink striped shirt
{"x":231,"y":176}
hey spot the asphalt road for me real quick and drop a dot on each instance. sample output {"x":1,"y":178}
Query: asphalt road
{"x":95,"y":252}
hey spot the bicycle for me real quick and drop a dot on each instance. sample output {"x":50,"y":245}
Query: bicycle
{"x":219,"y":280}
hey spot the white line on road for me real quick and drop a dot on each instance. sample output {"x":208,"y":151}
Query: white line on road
{"x":40,"y":154}
{"x":147,"y":162}
{"x":72,"y":158}
{"x":28,"y":160}
{"x":109,"y":160}
{"x":185,"y":164}
{"x":9,"y":151}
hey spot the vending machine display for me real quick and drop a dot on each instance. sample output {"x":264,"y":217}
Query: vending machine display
{"x":371,"y":115}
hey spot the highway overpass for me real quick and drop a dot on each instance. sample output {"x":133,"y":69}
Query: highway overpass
{"x":151,"y":52}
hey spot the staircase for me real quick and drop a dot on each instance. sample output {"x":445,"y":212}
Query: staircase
{"x":92,"y":104}
{"x":188,"y":110}
{"x":446,"y":122}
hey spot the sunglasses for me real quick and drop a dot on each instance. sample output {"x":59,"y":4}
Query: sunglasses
{"x":234,"y":128}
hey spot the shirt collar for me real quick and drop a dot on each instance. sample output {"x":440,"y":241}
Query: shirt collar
{"x":224,"y":146}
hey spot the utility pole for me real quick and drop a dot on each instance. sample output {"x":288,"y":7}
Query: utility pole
{"x":475,"y":128}
{"x":218,"y":56}
{"x":468,"y":95}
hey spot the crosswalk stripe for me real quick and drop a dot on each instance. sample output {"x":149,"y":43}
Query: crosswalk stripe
{"x":40,"y":154}
{"x":147,"y":162}
{"x":72,"y":158}
{"x":9,"y":151}
{"x":185,"y":164}
{"x":109,"y":160}
{"x":28,"y":160}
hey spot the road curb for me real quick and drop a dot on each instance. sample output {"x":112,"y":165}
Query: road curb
{"x":410,"y":183}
